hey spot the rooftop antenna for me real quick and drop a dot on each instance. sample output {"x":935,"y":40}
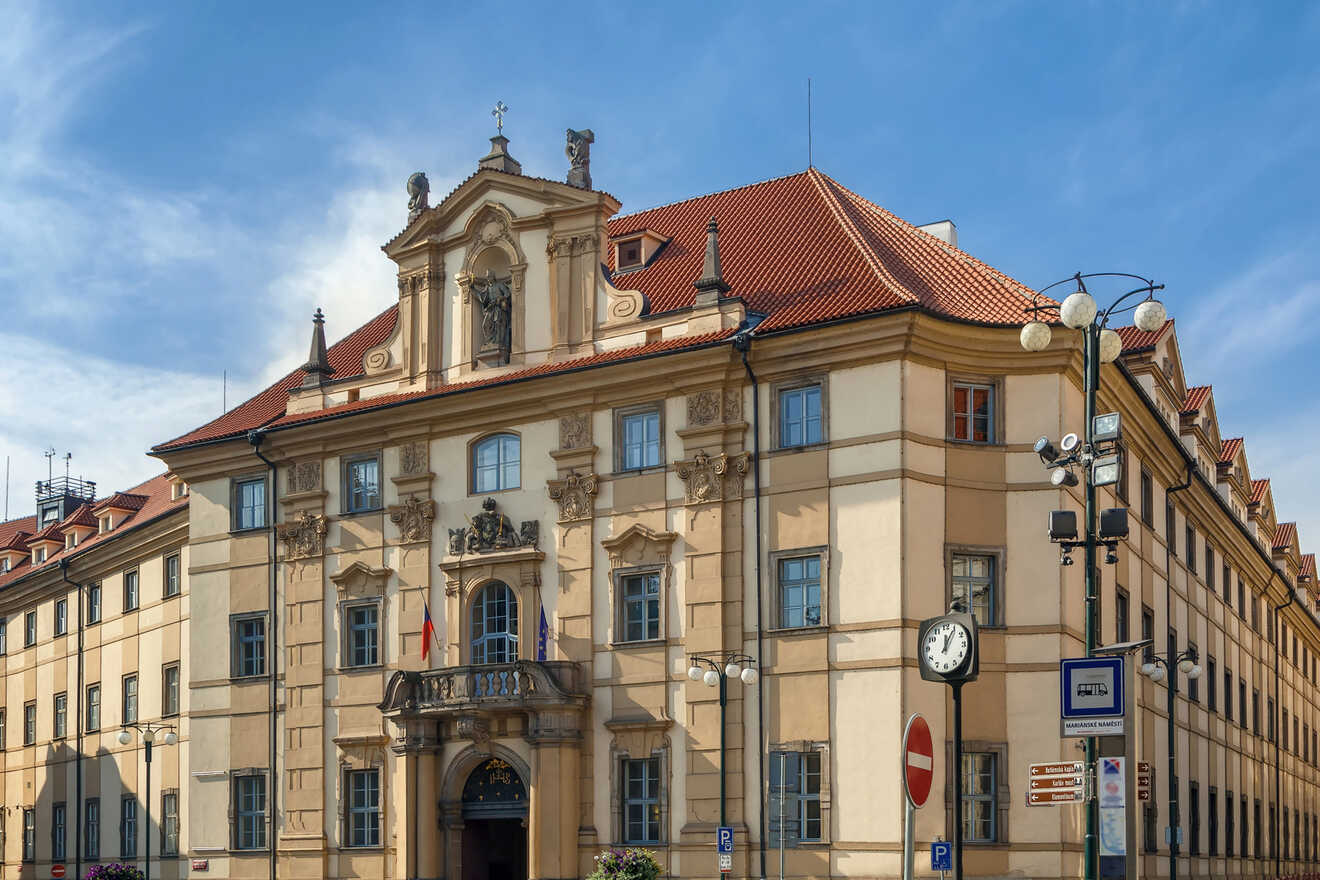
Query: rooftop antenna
{"x":67,"y":457}
{"x":50,"y":463}
{"x":6,"y":519}
{"x":224,"y":392}
{"x":809,"y":164}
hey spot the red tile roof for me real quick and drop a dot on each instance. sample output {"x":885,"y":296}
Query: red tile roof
{"x":1228,"y":450}
{"x":346,"y":358}
{"x":83,"y":516}
{"x":1284,"y":534}
{"x":1307,"y":568}
{"x":49,"y":533}
{"x":15,"y":532}
{"x":120,"y":501}
{"x":1258,"y":489}
{"x":158,"y":503}
{"x":1135,"y":340}
{"x":1196,"y":398}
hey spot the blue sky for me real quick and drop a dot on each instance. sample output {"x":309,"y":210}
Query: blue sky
{"x":183,"y":184}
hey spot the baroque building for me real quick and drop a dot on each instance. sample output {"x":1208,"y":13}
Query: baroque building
{"x":449,"y":576}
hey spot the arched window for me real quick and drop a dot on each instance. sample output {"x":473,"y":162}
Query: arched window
{"x":496,"y":463}
{"x":495,"y":625}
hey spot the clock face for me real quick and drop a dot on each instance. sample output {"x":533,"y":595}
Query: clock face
{"x":946,"y":647}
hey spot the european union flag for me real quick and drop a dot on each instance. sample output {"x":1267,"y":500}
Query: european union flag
{"x":542,"y":636}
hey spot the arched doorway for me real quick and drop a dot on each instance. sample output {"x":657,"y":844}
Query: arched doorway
{"x":494,"y":823}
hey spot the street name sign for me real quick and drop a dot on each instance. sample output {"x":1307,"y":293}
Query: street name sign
{"x":1050,"y":798}
{"x":1055,"y":782}
{"x":1041,"y":783}
{"x":1059,"y":768}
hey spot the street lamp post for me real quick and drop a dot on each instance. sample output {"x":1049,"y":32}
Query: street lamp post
{"x":1102,"y":345}
{"x":149,"y":730}
{"x":1156,"y":667}
{"x":716,"y":669}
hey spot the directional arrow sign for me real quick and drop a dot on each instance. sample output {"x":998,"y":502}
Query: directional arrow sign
{"x":1143,"y":767}
{"x":1143,"y":794}
{"x":1056,"y":769}
{"x":1048,"y":798}
{"x":1143,"y":780}
{"x":1052,"y":782}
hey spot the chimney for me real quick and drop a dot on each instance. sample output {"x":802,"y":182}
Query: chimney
{"x":318,"y":367}
{"x":711,"y":283}
{"x":944,"y":230}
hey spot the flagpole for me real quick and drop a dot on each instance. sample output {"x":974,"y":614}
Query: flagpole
{"x":427,"y":606}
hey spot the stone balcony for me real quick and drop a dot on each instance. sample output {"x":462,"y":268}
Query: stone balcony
{"x":546,"y":691}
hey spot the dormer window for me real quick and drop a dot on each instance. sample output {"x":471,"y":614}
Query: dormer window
{"x":104,"y":523}
{"x":630,"y":254}
{"x":38,"y":555}
{"x":178,"y":490}
{"x":4,"y":564}
{"x":70,"y":540}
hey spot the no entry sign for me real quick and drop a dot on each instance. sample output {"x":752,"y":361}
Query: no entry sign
{"x":918,"y":760}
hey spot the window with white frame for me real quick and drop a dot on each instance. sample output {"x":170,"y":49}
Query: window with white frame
{"x":801,"y":416}
{"x":639,"y":606}
{"x":973,"y":583}
{"x":973,"y":412}
{"x":637,"y":438}
{"x":496,"y":464}
{"x":61,"y":617}
{"x":29,"y":835}
{"x":249,"y":811}
{"x":795,"y":814}
{"x":93,"y":707}
{"x":4,"y":636}
{"x":29,"y":629}
{"x":172,"y":578}
{"x":363,"y":807}
{"x":249,"y":503}
{"x":59,"y":831}
{"x":249,"y":645}
{"x":494,"y":625}
{"x":362,"y":483}
{"x":92,"y":828}
{"x":169,"y":696}
{"x":30,"y":723}
{"x":131,"y":595}
{"x":979,"y":813}
{"x":94,"y":603}
{"x":362,"y":634}
{"x":799,"y":590}
{"x":128,"y":827}
{"x":61,"y":715}
{"x":641,"y":800}
{"x":130,"y":699}
{"x":169,"y":822}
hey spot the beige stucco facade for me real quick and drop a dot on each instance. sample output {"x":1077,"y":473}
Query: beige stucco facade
{"x":883,"y":500}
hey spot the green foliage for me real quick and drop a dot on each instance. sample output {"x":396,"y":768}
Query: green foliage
{"x":626,"y":864}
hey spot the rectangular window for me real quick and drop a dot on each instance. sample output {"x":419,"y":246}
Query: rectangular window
{"x":29,"y":835}
{"x":30,"y":723}
{"x":1171,"y":527}
{"x":130,"y":699}
{"x":974,"y":585}
{"x":93,"y":707}
{"x":1193,"y":819}
{"x":2,"y":735}
{"x":1284,"y":743}
{"x":1228,"y":695}
{"x":362,"y":483}
{"x":169,"y":825}
{"x":128,"y":827}
{"x":795,"y":811}
{"x":800,"y":416}
{"x":974,"y":413}
{"x":249,"y":646}
{"x":1255,"y":711}
{"x":250,"y":812}
{"x":641,"y":800}
{"x":1229,"y":807}
{"x":1149,"y":835}
{"x":1147,"y":499}
{"x":94,"y":603}
{"x":639,"y":606}
{"x":1193,"y":684}
{"x":29,"y":629}
{"x":130,"y":590}
{"x":171,"y":575}
{"x":1269,"y":719}
{"x":62,"y":617}
{"x":92,"y":828}
{"x":363,"y":625}
{"x":980,"y":783}
{"x":1148,"y":630}
{"x":1121,"y":488}
{"x":1209,"y":566}
{"x":4,"y":636}
{"x":1242,"y":599}
{"x":1212,"y":824}
{"x":1286,"y":839}
{"x":1255,"y":614}
{"x":249,"y":504}
{"x":169,"y":694}
{"x":59,"y":831}
{"x":799,"y":591}
{"x":364,"y":808}
{"x":637,"y":438}
{"x":1273,"y":829}
{"x":1121,"y":612}
{"x":1211,"y":685}
{"x":1189,"y":548}
{"x":61,"y":715}
{"x":1226,"y":575}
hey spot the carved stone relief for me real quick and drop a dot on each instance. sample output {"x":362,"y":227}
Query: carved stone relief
{"x":304,"y":476}
{"x":732,"y":406}
{"x":575,"y":431}
{"x":414,"y":458}
{"x":576,"y":495}
{"x":490,"y":530}
{"x":703,"y":408}
{"x":712,"y":478}
{"x":413,"y":517}
{"x":304,"y":536}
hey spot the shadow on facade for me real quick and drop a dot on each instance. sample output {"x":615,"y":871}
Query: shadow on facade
{"x":94,"y":827}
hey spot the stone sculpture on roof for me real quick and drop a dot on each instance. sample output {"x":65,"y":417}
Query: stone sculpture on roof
{"x":496,"y":300}
{"x":419,"y":188}
{"x":578,"y":151}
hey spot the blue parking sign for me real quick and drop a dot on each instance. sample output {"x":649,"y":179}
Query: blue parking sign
{"x":941,"y":855}
{"x":724,"y":839}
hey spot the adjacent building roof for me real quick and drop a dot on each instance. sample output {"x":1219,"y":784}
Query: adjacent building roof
{"x":1135,"y":340}
{"x":121,"y":501}
{"x":1307,"y":568}
{"x":1258,"y":490}
{"x":1228,"y":450}
{"x":1284,"y":535}
{"x":1196,"y":398}
{"x":15,"y":532}
{"x":157,"y":502}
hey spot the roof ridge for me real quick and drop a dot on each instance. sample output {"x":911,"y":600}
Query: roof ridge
{"x":855,"y":236}
{"x":706,"y":195}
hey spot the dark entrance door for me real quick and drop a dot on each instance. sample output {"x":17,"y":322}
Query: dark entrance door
{"x":494,"y":823}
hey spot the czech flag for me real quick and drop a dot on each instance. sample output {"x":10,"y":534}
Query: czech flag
{"x":428,"y":631}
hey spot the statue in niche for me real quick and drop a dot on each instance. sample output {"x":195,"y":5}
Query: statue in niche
{"x":578,"y":151}
{"x":496,"y":300}
{"x":419,"y":188}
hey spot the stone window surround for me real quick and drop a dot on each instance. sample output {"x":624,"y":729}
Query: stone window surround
{"x":165,"y":574}
{"x":234,"y":482}
{"x":234,"y":620}
{"x":617,"y":576}
{"x":616,"y":419}
{"x":347,"y":459}
{"x":630,"y":740}
{"x":774,"y":557}
{"x":234,"y":777}
{"x":823,"y":747}
{"x":164,"y":689}
{"x":472,"y":462}
{"x":345,"y":647}
{"x":352,"y":760}
{"x":137,"y":582}
{"x":792,"y":383}
{"x":1002,"y":798}
{"x":1001,"y":570}
{"x":165,"y":848}
{"x":997,"y":407}
{"x":651,"y":552}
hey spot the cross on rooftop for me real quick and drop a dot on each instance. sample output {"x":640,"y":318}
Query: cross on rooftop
{"x":500,"y":109}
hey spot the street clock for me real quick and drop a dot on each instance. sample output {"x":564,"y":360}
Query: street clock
{"x":947,"y":648}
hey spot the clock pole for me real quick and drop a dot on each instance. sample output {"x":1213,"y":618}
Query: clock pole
{"x":957,"y":781}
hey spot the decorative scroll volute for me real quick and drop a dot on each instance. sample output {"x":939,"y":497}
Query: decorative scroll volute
{"x":575,"y":495}
{"x":413,"y":517}
{"x":304,"y":536}
{"x":712,"y":478}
